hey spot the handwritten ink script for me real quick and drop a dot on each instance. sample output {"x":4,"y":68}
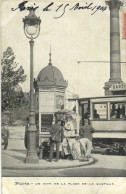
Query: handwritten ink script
{"x":61,"y":9}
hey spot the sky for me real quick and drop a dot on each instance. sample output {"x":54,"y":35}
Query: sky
{"x":76,"y":36}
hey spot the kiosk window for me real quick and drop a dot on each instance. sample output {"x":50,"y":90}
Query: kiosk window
{"x":118,"y":110}
{"x":46,"y":122}
{"x":100,"y":111}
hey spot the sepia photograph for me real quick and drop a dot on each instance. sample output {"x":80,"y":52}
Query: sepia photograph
{"x":63,"y":92}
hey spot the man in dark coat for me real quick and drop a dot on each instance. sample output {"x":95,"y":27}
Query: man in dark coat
{"x":56,"y":137}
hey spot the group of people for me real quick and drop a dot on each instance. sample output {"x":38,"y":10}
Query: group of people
{"x":119,"y":112}
{"x":81,"y":144}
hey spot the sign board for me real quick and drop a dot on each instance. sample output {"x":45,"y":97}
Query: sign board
{"x":117,"y":87}
{"x":84,"y":102}
{"x":59,"y":101}
{"x":46,"y":102}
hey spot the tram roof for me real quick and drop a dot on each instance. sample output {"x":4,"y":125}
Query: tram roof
{"x":97,"y":97}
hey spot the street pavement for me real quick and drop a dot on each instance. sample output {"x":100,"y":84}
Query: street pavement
{"x":100,"y":166}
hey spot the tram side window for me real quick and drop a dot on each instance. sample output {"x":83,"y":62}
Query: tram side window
{"x":100,"y":111}
{"x":118,"y":110}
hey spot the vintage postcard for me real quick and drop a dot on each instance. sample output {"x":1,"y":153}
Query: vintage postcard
{"x":63,"y":96}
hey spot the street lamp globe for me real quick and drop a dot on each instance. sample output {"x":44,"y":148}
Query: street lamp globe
{"x":31,"y":30}
{"x":31,"y":24}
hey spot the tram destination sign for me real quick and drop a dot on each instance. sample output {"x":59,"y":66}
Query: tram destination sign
{"x":84,"y":102}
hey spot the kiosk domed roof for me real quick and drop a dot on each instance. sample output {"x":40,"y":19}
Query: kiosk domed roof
{"x":51,"y":76}
{"x":50,"y":73}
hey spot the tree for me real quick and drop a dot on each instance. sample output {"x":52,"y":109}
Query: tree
{"x":11,"y":76}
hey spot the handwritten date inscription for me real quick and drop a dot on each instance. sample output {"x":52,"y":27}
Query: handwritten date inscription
{"x":61,"y":9}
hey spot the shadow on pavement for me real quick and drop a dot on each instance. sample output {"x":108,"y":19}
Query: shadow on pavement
{"x":93,"y":172}
{"x":19,"y":151}
{"x":21,"y":158}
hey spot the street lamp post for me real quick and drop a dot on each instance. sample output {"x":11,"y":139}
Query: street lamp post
{"x":31,"y":30}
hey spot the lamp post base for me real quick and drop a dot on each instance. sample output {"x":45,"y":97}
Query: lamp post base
{"x":32,"y":157}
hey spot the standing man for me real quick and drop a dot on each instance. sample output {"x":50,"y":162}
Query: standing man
{"x":86,"y":138}
{"x":87,"y":114}
{"x":4,"y":134}
{"x":56,"y":137}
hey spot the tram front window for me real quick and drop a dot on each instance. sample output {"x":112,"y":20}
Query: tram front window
{"x":118,"y":110}
{"x":100,"y":111}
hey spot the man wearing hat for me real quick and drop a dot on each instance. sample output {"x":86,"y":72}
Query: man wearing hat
{"x":86,"y":138}
{"x":57,"y":133}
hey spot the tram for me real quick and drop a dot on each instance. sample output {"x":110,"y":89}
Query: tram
{"x":107,"y":115}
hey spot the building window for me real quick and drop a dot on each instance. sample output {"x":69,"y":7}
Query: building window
{"x":100,"y":111}
{"x":118,"y":110}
